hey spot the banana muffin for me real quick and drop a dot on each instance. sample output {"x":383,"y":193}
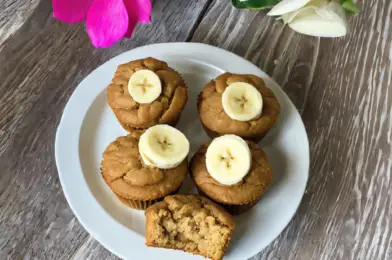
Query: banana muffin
{"x":238,"y":104}
{"x":232,"y":172}
{"x":190,"y":223}
{"x":146,"y":92}
{"x":139,"y":183}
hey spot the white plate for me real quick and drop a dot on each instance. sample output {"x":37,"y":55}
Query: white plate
{"x":88,"y":126}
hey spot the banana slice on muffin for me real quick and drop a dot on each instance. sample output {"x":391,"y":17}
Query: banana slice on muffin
{"x":238,"y":104}
{"x":142,"y":171}
{"x":163,"y":146}
{"x":228,"y":159}
{"x":232,"y":172}
{"x":242,"y":101}
{"x":146,"y":92}
{"x":144,"y":86}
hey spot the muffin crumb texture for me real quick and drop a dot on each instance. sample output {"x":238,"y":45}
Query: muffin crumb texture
{"x":190,"y":223}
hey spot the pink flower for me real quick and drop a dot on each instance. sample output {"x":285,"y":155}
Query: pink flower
{"x":107,"y":21}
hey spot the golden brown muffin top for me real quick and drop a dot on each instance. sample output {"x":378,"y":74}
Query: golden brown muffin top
{"x":164,"y":109}
{"x":249,"y":189}
{"x":125,"y":172}
{"x":214,"y":117}
{"x":192,"y":206}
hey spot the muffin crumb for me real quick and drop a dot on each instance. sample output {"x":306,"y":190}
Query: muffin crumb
{"x":190,"y":223}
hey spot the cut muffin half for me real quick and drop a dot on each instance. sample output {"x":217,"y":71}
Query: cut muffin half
{"x":190,"y":223}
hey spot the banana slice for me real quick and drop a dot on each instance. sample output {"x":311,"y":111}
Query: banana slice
{"x":144,"y":86}
{"x":163,"y":146}
{"x":242,"y":101}
{"x":145,"y":159}
{"x":228,"y":159}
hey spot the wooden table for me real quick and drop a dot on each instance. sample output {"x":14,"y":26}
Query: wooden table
{"x":342,"y":87}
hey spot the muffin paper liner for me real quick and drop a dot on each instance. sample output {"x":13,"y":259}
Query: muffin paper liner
{"x":213,"y":134}
{"x":142,"y":204}
{"x":137,"y":132}
{"x":238,"y":209}
{"x":232,"y":208}
{"x":138,"y":204}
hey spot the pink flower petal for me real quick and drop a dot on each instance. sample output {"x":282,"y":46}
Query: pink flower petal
{"x":145,"y":11}
{"x":107,"y":22}
{"x":71,"y":11}
{"x":131,"y":27}
{"x":138,"y":11}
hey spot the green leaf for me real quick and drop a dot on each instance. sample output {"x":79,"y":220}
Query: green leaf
{"x":350,"y":6}
{"x":254,"y":4}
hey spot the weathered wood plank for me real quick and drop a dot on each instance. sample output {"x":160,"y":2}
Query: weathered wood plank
{"x":40,"y":66}
{"x":343,"y":89}
{"x":13,"y":14}
{"x":262,"y":40}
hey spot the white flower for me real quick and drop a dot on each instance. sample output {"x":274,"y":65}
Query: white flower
{"x":321,"y":18}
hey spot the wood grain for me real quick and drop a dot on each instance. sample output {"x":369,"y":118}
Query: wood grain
{"x":40,"y":66}
{"x":342,"y":87}
{"x":13,"y":14}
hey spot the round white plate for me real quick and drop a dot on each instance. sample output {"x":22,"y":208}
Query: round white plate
{"x":88,"y":126}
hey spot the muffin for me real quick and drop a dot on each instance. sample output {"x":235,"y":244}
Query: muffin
{"x":238,"y":104}
{"x":146,"y":92}
{"x":130,"y":170}
{"x":190,"y":223}
{"x":232,"y":172}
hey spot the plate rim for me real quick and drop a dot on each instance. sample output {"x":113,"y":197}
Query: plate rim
{"x":59,"y":141}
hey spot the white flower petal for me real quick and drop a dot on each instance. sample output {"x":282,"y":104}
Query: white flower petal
{"x":313,"y":4}
{"x":332,"y":10}
{"x":287,"y":6}
{"x":289,"y":17}
{"x":324,"y":21}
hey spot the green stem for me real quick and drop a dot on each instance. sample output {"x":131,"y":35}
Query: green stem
{"x":254,"y":4}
